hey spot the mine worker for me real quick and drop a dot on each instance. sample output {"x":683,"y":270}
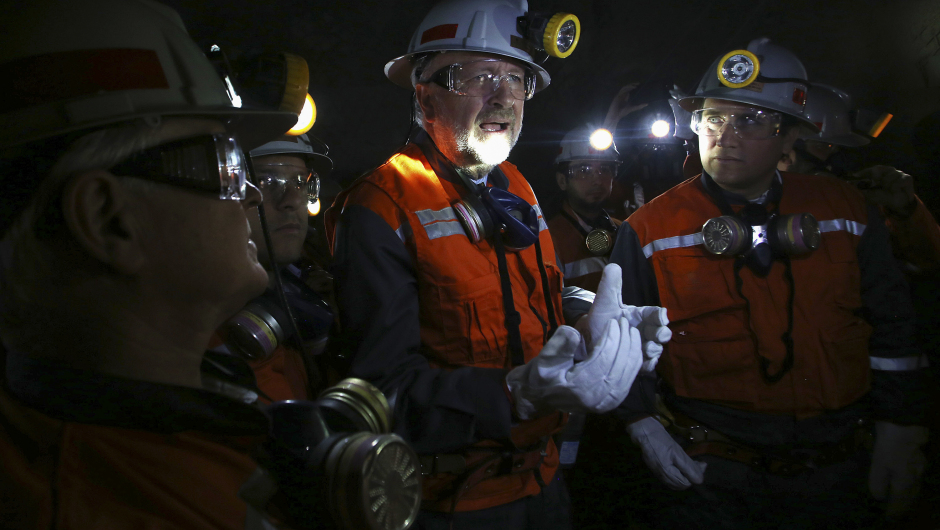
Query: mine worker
{"x":792,"y":325}
{"x":287,"y":171}
{"x":915,"y":235}
{"x":115,"y":269}
{"x":582,"y":232}
{"x":449,"y":314}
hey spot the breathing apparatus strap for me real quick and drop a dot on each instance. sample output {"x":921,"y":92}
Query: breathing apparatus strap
{"x":775,"y":195}
{"x":512,"y":319}
{"x":549,"y":305}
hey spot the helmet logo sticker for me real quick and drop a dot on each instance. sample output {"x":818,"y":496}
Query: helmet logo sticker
{"x":799,"y":96}
{"x":738,"y":69}
{"x":444,"y":31}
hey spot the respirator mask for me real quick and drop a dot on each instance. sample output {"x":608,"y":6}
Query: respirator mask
{"x":760,"y":237}
{"x":497,"y":210}
{"x":333,"y":461}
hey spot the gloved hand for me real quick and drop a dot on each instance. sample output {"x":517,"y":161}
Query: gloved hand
{"x":553,"y":381}
{"x":887,"y":187}
{"x":608,"y":305}
{"x":897,"y":464}
{"x":663,"y":455}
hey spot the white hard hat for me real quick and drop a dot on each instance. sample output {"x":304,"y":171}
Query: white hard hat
{"x":301,"y":146}
{"x":488,"y":26}
{"x":83,"y":64}
{"x":830,"y":109}
{"x":577,"y":145}
{"x":764,"y":75}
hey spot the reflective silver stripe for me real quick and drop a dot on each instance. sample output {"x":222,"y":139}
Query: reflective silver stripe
{"x":443,"y":229}
{"x":401,"y":233}
{"x":430,"y":216}
{"x":673,"y":242}
{"x":845,"y":225}
{"x":576,"y":292}
{"x":899,"y":364}
{"x":542,"y":225}
{"x":584,"y":266}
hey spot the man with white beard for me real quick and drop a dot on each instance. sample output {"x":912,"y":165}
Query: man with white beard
{"x":449,"y":294}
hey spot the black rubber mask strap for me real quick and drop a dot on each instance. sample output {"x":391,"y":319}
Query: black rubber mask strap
{"x":549,"y":305}
{"x":512,"y":317}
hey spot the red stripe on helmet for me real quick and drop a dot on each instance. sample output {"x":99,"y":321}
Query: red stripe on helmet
{"x":444,"y":31}
{"x":65,"y":75}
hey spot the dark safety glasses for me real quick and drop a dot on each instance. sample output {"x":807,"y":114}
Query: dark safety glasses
{"x":603,"y":171}
{"x":211,"y":163}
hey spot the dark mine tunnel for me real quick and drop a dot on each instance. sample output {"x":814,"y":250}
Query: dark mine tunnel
{"x":424,"y":314}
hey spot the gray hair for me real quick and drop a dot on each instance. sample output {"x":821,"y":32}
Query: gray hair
{"x":27,"y":262}
{"x":419,"y":65}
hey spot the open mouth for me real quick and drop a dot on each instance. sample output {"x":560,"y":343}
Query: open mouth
{"x":495,"y":126}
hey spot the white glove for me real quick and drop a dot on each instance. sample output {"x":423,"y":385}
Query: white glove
{"x":608,"y":305}
{"x":553,"y":381}
{"x":663,"y":455}
{"x":897,"y":464}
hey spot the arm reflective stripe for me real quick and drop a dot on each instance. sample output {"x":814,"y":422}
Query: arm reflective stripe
{"x":401,"y":233}
{"x":673,"y":242}
{"x":899,"y":364}
{"x":584,"y":266}
{"x":845,"y":225}
{"x":542,"y":225}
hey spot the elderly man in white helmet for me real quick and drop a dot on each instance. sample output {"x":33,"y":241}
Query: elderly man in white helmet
{"x":448,"y":287}
{"x":124,"y":246}
{"x":792,"y":326}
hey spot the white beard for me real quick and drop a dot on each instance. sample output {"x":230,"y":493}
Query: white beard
{"x":486,"y":150}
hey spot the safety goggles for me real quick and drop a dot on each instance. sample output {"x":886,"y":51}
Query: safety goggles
{"x":211,"y":163}
{"x":479,"y":79}
{"x":582,"y":172}
{"x":747,"y":124}
{"x":275,"y":184}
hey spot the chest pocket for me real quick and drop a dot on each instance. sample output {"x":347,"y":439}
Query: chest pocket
{"x":470,"y":317}
{"x":711,"y":354}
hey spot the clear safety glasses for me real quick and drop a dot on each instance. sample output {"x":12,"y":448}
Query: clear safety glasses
{"x":275,"y":184}
{"x":582,"y":172}
{"x":211,"y":163}
{"x":746,"y":124}
{"x":479,"y":78}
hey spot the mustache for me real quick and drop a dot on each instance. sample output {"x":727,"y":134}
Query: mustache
{"x":502,"y":115}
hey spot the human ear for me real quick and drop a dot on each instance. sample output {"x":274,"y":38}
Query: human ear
{"x":99,"y":214}
{"x":426,"y":101}
{"x":790,"y":138}
{"x":561,"y":180}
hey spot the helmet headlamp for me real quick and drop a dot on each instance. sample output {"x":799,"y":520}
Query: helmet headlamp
{"x":212,"y":163}
{"x":601,"y":139}
{"x":738,"y":69}
{"x":660,"y":128}
{"x":557,"y":36}
{"x":306,"y":118}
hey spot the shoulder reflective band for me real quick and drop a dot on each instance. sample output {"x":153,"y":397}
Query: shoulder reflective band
{"x":65,"y":75}
{"x":440,"y":223}
{"x":542,"y":225}
{"x":833,"y":225}
{"x":899,"y":364}
{"x":581,"y":267}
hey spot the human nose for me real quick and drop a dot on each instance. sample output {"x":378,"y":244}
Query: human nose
{"x":292,"y":197}
{"x":502,"y":94}
{"x":726,"y":133}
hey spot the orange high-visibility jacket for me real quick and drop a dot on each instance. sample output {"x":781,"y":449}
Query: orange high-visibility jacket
{"x":460,"y":299}
{"x":580,"y":267}
{"x":713,"y":354}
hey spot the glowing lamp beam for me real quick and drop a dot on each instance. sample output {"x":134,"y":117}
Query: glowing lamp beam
{"x":308,"y":115}
{"x":601,"y":139}
{"x":660,"y":128}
